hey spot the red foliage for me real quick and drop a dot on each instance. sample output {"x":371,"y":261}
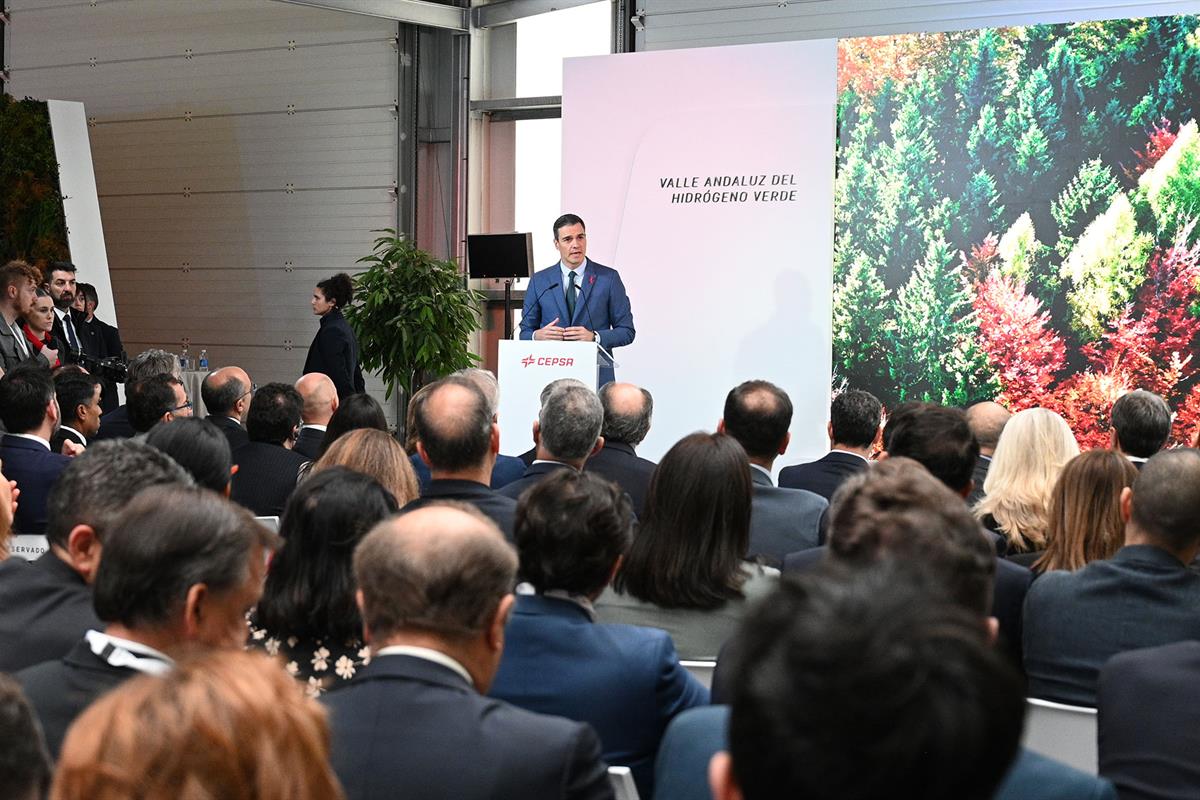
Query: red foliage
{"x":1161,"y":139}
{"x":1084,"y":401}
{"x":1018,"y":340}
{"x":867,"y":61}
{"x":1187,"y":419}
{"x":981,"y":258}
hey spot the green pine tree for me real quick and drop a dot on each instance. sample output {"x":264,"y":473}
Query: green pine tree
{"x":860,"y":320}
{"x":1083,"y":199}
{"x":980,"y":211}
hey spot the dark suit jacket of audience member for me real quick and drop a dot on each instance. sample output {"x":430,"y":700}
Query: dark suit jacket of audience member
{"x":45,"y":608}
{"x":1008,"y":596}
{"x":1075,"y":621}
{"x":35,"y":469}
{"x":506,"y":470}
{"x":1149,"y":703}
{"x":533,"y":474}
{"x":62,"y":436}
{"x":266,"y":477}
{"x":308,"y":443}
{"x":783,"y":521}
{"x":405,"y":725}
{"x":528,"y":456}
{"x":619,"y":463}
{"x":499,"y":508}
{"x":60,"y":690}
{"x":115,"y":425}
{"x":623,"y":680}
{"x":978,"y":477}
{"x":232,"y":429}
{"x":824,"y":475}
{"x":692,"y":739}
{"x":90,"y":339}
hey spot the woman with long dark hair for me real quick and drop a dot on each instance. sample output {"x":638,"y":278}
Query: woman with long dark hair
{"x":307,"y":615}
{"x":358,"y":411}
{"x":685,"y":571}
{"x":334,"y":350}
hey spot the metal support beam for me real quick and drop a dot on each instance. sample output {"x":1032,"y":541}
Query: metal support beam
{"x":515,"y":109}
{"x":623,"y":34}
{"x":460,"y":122}
{"x":407,"y":62}
{"x":413,"y":12}
{"x":508,"y":11}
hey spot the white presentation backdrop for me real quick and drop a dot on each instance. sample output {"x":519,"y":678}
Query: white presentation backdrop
{"x":706,"y":177}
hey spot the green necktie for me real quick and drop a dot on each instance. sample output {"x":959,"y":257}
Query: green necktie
{"x":571,"y":292}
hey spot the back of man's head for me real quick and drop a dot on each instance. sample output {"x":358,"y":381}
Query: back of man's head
{"x":149,"y":399}
{"x":199,"y":447}
{"x":878,"y":678}
{"x":221,"y":389}
{"x":274,"y":414}
{"x":898,"y":510}
{"x":168,"y":540}
{"x":987,"y":420}
{"x":854,"y":417}
{"x":152,"y":362}
{"x":101,"y":481}
{"x":937,"y":437}
{"x":570,"y":529}
{"x":1142,"y":423}
{"x":1166,"y":498}
{"x":24,"y":762}
{"x":570,"y":422}
{"x":485,"y":382}
{"x":627,"y":412}
{"x":441,"y":570}
{"x":453,"y":422}
{"x":74,"y":389}
{"x":26,"y":392}
{"x":758,"y":414}
{"x":320,"y":398}
{"x":556,"y":384}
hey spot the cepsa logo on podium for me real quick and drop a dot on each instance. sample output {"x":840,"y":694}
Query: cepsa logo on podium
{"x":544,"y":361}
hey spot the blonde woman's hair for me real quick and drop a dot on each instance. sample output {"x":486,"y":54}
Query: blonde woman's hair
{"x":375,"y":453}
{"x":1033,"y":449}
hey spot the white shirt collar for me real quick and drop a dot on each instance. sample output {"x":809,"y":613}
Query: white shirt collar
{"x":60,"y":314}
{"x":235,"y":419}
{"x":565,"y":273}
{"x":314,"y":426}
{"x":848,"y":453}
{"x":428,"y":654}
{"x":119,"y":652}
{"x":764,"y":471}
{"x":1137,"y":459}
{"x":32,"y":437}
{"x":77,"y":433}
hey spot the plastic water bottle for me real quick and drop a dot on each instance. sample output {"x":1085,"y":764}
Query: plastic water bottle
{"x":184,"y":361}
{"x":204,"y":361}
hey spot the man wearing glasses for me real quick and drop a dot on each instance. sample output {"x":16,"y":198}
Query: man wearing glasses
{"x":226,"y":393}
{"x":159,"y":398}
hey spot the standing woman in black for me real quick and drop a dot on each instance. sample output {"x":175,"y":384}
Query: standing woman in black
{"x":334,"y":350}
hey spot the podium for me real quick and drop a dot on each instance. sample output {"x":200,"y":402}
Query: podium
{"x":524,"y":367}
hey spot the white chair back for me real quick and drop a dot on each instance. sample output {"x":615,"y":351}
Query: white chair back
{"x":1064,"y":733}
{"x":702,"y":670}
{"x":623,"y":786}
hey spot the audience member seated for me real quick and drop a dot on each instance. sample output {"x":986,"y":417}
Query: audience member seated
{"x":307,"y":616}
{"x":78,"y":395}
{"x":457,"y":438}
{"x":627,"y":413}
{"x":1085,"y":512}
{"x":1034,"y":448}
{"x":354,"y":412}
{"x":226,"y":393}
{"x":24,"y":762}
{"x":1149,"y":721}
{"x":159,"y":398}
{"x":567,"y":434}
{"x":855,"y":431}
{"x":223,"y":725}
{"x":1141,"y":424}
{"x":320,"y":402}
{"x":684,"y":572}
{"x":374,"y":454}
{"x":188,"y":586}
{"x":8,"y":506}
{"x":38,"y":330}
{"x":267,"y":469}
{"x":115,"y":424}
{"x":529,"y":455}
{"x":18,"y":291}
{"x":435,"y":590}
{"x":198,"y":446}
{"x":1143,"y":596}
{"x":758,"y":415}
{"x":31,"y":414}
{"x":46,"y":605}
{"x":507,"y":468}
{"x":987,"y":421}
{"x":625,"y":681}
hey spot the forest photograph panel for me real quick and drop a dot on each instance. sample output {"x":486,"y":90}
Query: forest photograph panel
{"x":1016,"y":217}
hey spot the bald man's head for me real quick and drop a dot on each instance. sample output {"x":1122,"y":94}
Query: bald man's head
{"x":453,"y":423}
{"x":226,"y":392}
{"x":320,"y":398}
{"x":627,"y":412}
{"x":987,"y":421}
{"x":441,"y":570}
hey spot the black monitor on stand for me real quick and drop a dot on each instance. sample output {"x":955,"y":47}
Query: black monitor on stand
{"x":501,"y":256}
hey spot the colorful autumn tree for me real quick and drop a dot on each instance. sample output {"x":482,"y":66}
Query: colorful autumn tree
{"x":1020,"y":343}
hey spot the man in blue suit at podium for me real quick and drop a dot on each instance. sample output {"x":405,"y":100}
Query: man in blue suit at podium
{"x":577,"y":300}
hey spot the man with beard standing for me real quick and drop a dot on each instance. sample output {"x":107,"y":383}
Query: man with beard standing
{"x":69,"y":323}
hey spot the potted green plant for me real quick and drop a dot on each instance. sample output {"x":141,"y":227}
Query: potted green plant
{"x":413,"y":314}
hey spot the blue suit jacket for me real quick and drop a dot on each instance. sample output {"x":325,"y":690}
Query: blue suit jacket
{"x":506,"y":470}
{"x":36,"y":470}
{"x":601,"y":306}
{"x":624,"y":680}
